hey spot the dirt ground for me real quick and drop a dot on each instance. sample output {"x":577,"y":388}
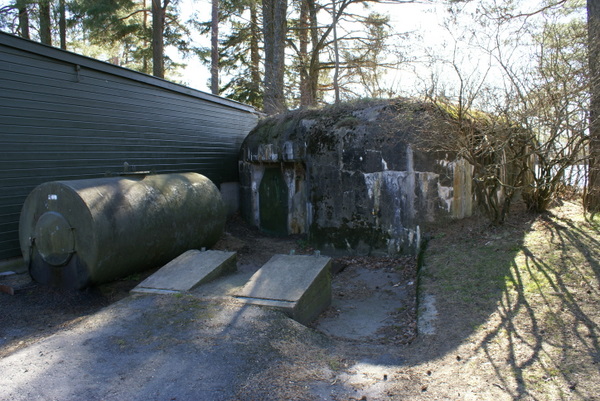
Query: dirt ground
{"x":505,"y":313}
{"x":36,"y":311}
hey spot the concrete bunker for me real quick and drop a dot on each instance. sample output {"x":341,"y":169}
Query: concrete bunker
{"x":353,"y":177}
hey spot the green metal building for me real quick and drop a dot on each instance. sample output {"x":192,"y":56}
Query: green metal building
{"x":64,"y":116}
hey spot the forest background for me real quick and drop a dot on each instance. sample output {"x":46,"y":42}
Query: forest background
{"x":518,"y":77}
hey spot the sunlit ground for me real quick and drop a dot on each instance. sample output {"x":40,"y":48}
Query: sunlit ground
{"x":537,"y":281}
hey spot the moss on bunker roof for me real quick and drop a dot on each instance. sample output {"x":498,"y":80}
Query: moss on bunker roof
{"x":336,"y":112}
{"x":426,"y":124}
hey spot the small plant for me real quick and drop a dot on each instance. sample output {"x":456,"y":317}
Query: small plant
{"x":335,"y":364}
{"x":302,"y":243}
{"x":132,"y":277}
{"x":348,"y":122}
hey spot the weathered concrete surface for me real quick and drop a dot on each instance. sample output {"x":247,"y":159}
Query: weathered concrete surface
{"x":189,"y":270}
{"x":230,"y":192}
{"x":364,"y":304}
{"x":355,"y":177}
{"x":299,"y":285}
{"x":152,"y":347}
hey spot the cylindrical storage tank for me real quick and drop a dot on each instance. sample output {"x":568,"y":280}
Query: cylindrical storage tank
{"x":82,"y":232}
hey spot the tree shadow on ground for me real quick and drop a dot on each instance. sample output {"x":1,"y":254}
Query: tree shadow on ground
{"x":526,"y":296}
{"x":36,"y":311}
{"x":549,"y":311}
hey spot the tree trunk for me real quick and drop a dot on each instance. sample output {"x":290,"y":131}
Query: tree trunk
{"x":274,"y":30}
{"x":592,"y":197}
{"x":305,"y":98}
{"x":336,"y":52}
{"x":23,"y":19}
{"x":214,"y":48}
{"x":62,"y":24}
{"x":254,"y":47}
{"x":45,"y":24}
{"x":159,"y":9}
{"x":315,"y":62}
{"x":319,"y":41}
{"x":145,"y":59}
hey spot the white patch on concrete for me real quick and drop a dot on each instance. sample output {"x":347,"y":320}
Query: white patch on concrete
{"x":410,"y":166}
{"x":418,"y":238}
{"x":266,"y":152}
{"x":446,"y":164}
{"x":368,"y":114}
{"x":446,"y":194}
{"x":8,"y":273}
{"x":408,"y":191}
{"x":384,"y":165}
{"x":427,"y":315}
{"x":373,"y":184}
{"x":289,"y":177}
{"x":400,"y":186}
{"x":256,"y":176}
{"x":307,"y":124}
{"x":368,"y":379}
{"x":410,"y":183}
{"x":288,"y":150}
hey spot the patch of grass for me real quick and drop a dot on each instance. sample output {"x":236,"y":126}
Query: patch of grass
{"x":120,"y":342}
{"x":335,"y":364}
{"x":132,"y":277}
{"x":303,"y":243}
{"x":594,"y":221}
{"x":530,"y":292}
{"x":348,"y":122}
{"x":552,"y":323}
{"x":471,"y":275}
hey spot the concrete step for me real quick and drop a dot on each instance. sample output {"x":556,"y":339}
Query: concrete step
{"x":299,"y":285}
{"x":187,"y":271}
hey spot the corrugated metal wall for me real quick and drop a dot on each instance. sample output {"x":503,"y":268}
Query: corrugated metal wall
{"x":64,"y":116}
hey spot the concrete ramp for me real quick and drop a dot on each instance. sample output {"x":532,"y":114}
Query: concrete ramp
{"x":299,"y":285}
{"x":188,"y":270}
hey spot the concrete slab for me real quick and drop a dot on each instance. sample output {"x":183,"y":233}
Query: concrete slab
{"x":367,"y":303}
{"x":187,"y":271}
{"x":299,"y":285}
